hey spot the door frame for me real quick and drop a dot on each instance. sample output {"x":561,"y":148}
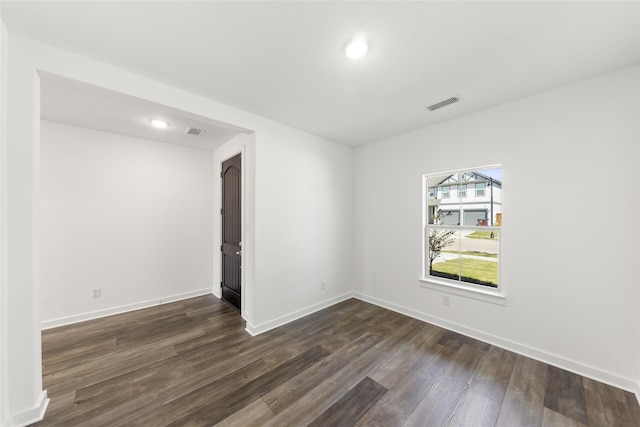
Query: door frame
{"x":243,"y":145}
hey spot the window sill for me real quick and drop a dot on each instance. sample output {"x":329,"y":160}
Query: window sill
{"x":468,"y":291}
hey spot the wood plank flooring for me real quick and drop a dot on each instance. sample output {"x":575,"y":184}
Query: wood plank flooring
{"x":353,"y":364}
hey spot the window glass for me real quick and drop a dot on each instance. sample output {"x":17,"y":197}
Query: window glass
{"x":462,"y":240}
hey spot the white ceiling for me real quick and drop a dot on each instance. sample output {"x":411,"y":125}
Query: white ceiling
{"x":284,"y":60}
{"x":71,"y":102}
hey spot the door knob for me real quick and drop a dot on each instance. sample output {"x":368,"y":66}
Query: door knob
{"x":239,"y":253}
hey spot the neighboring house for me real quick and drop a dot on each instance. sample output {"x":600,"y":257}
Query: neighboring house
{"x":469,"y":198}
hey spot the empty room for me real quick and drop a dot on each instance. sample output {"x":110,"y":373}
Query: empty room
{"x":325,"y":213}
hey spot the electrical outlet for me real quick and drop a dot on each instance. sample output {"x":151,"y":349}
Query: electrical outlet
{"x":96,"y":293}
{"x":323,"y":286}
{"x":446,"y":301}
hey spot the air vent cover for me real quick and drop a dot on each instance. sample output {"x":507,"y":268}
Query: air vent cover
{"x":193,"y":131}
{"x":444,"y":103}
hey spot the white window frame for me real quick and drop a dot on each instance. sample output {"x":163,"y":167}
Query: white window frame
{"x":456,"y":287}
{"x":461,"y":193}
{"x":484,"y":189}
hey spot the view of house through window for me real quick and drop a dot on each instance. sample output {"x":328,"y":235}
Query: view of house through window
{"x":463,"y":210}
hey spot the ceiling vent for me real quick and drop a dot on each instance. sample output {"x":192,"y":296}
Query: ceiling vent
{"x":193,"y":131}
{"x":444,"y":103}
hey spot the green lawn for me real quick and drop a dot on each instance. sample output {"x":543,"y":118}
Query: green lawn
{"x":473,"y":270}
{"x":482,"y":235}
{"x":476,"y":253}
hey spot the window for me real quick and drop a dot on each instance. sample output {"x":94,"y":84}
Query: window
{"x":462,"y":240}
{"x":432,"y":193}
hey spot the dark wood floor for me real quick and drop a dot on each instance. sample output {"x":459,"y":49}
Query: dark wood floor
{"x":353,"y":364}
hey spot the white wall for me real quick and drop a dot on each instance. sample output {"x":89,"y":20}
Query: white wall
{"x":4,"y":403}
{"x":301,"y":211}
{"x":303,"y":226}
{"x":130,"y":216}
{"x":571,"y":276}
{"x":20,"y":255}
{"x":302,"y":191}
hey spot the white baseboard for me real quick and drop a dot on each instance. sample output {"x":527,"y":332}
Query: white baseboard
{"x":54,"y":323}
{"x":542,"y":356}
{"x":32,"y":415}
{"x":283,"y":320}
{"x":217,"y":292}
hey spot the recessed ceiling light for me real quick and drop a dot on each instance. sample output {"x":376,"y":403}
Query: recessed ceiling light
{"x":159,"y":123}
{"x":356,"y":48}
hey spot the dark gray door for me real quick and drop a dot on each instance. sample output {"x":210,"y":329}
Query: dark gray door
{"x":231,"y":232}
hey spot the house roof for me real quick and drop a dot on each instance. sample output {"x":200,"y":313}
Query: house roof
{"x":438,"y":180}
